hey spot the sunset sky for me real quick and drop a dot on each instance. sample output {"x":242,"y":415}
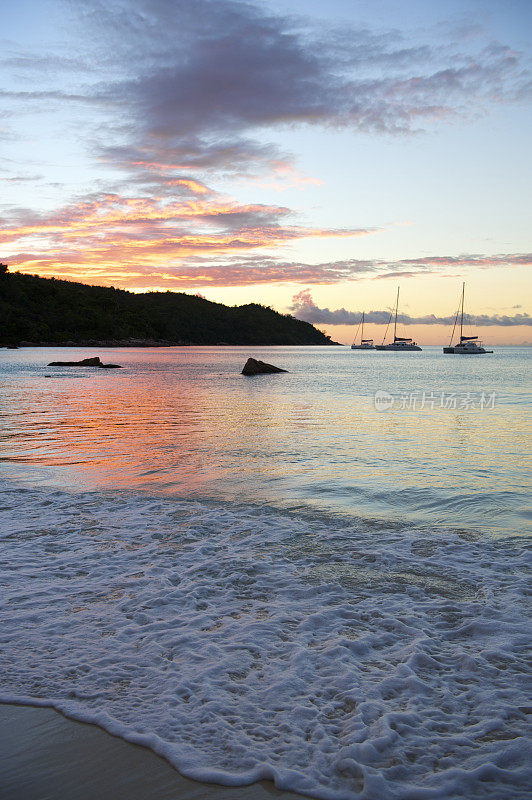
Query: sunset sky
{"x":309,"y":156}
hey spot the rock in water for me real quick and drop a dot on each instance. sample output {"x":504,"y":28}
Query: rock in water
{"x":254,"y":367}
{"x":85,"y":362}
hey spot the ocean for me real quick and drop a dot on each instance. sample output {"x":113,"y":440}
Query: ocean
{"x":317,"y":577}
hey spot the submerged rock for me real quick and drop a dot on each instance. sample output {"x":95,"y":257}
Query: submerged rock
{"x":254,"y":367}
{"x":85,"y":362}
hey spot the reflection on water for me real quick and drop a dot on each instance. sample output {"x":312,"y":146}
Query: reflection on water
{"x":184,"y":421}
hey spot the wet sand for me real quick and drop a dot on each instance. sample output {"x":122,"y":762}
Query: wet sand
{"x":44,"y":756}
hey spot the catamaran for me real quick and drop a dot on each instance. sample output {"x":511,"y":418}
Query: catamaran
{"x":400,"y":343}
{"x":468,"y":345}
{"x":365,"y":344}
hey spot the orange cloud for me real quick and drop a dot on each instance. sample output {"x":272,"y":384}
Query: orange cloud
{"x":136,"y":241}
{"x":285,"y":176}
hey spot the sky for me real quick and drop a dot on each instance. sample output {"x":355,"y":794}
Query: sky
{"x":311,"y":157}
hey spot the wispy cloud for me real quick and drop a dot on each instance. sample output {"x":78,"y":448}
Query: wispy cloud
{"x":137,"y":240}
{"x":303,"y":307}
{"x":200,"y":240}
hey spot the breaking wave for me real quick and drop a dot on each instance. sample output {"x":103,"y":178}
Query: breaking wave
{"x":336,"y":658}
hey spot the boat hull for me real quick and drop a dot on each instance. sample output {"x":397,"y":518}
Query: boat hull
{"x":398,"y":348}
{"x":362,"y":347}
{"x":462,"y":351}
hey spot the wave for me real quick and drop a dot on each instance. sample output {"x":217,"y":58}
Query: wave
{"x":337,"y":659}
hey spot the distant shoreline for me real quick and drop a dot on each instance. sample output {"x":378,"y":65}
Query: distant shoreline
{"x":42,"y":312}
{"x":148,"y":343}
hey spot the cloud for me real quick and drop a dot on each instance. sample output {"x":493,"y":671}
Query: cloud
{"x":44,"y":62}
{"x":351,"y":269}
{"x":234,"y":155}
{"x":303,"y":307}
{"x":198,"y":84}
{"x":202,"y":87}
{"x":196,"y":238}
{"x":224,"y":67}
{"x":285,"y":176}
{"x":465,"y":260}
{"x":137,"y":240}
{"x":21,"y":178}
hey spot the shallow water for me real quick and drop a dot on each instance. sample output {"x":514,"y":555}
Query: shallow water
{"x":49,"y":756}
{"x":183,"y":421}
{"x":269,"y":577}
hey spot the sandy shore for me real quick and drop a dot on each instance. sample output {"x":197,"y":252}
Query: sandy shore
{"x":44,"y":756}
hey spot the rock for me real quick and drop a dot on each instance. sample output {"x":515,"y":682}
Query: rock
{"x":254,"y":367}
{"x":85,"y":362}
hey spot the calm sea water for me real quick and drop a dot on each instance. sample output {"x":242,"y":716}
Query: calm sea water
{"x":317,"y":577}
{"x":451,"y":450}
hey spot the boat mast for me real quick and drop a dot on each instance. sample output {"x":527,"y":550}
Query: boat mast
{"x":454,"y":325}
{"x":396,"y":307}
{"x":462,"y":315}
{"x":362,"y":332}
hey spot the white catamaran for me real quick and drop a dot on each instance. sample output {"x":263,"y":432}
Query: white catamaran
{"x":365,"y":344}
{"x":400,"y":343}
{"x":468,"y":345}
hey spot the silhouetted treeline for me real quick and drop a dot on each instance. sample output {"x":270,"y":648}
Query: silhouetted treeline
{"x":46,"y":310}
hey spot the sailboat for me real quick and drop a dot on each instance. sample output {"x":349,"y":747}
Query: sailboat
{"x":468,"y":345}
{"x":365,"y":344}
{"x":400,"y":343}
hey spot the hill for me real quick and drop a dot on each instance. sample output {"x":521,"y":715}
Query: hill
{"x":49,"y":311}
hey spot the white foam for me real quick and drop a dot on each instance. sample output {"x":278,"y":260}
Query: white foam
{"x":336,"y":660}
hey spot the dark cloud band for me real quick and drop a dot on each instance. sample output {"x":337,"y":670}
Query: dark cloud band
{"x":303,"y":307}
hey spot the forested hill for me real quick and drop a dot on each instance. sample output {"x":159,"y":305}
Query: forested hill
{"x":49,"y":311}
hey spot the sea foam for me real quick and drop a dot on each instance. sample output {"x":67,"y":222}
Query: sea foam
{"x":338,"y":659}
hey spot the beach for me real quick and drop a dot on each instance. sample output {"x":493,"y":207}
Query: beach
{"x":45,"y":755}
